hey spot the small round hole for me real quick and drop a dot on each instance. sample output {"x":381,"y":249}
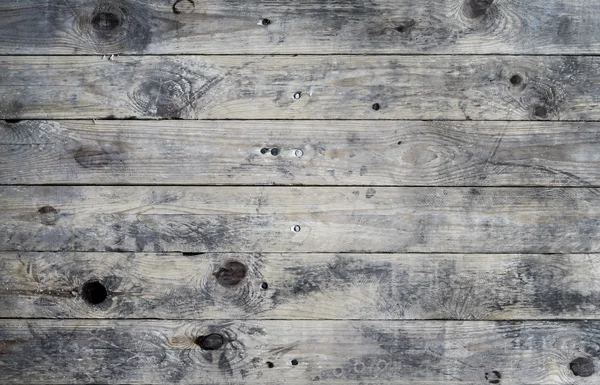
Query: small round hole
{"x":400,"y":28}
{"x":399,"y":142}
{"x":93,"y":292}
{"x":264,"y":150}
{"x":516,"y":79}
{"x":265,"y":21}
{"x":296,"y":228}
{"x":299,"y":153}
{"x":264,"y":285}
{"x":270,"y":364}
{"x":376,"y":106}
{"x":297,"y":95}
{"x":294,"y":362}
{"x":211,"y":341}
{"x":275,"y":152}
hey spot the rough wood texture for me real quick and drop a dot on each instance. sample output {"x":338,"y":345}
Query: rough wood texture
{"x":310,"y":219}
{"x":326,"y":87}
{"x":326,"y":352}
{"x":332,"y":153}
{"x":300,"y":286}
{"x":308,"y":26}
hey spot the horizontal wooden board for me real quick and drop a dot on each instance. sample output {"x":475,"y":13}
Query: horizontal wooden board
{"x":300,"y":219}
{"x":300,"y":152}
{"x":302,"y":87}
{"x":308,"y":26}
{"x":328,"y":352}
{"x":299,"y":286}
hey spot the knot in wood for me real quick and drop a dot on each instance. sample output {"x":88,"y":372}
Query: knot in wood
{"x":474,"y":9}
{"x":231,"y":274}
{"x":105,"y":21}
{"x":582,"y":366}
{"x":211,"y":341}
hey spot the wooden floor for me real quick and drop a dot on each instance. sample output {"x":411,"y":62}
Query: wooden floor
{"x":351,"y":192}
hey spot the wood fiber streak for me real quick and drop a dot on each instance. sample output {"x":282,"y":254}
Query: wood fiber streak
{"x":332,"y":153}
{"x":302,"y":286}
{"x":327,"y":352}
{"x":308,"y":27}
{"x":326,"y":87}
{"x":300,"y":219}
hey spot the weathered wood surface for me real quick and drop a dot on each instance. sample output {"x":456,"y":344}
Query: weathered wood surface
{"x":303,"y":87}
{"x":300,"y":286}
{"x":328,"y":352}
{"x":328,"y":219}
{"x":331,"y":153}
{"x":308,"y":26}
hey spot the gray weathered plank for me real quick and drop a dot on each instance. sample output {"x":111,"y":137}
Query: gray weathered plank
{"x":332,"y":153}
{"x":308,"y":26}
{"x":328,"y":352}
{"x":299,"y":286}
{"x":328,"y":219}
{"x":326,"y":87}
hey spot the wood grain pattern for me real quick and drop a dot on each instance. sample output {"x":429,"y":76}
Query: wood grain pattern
{"x":301,"y":286}
{"x":332,"y":153}
{"x":328,"y":352}
{"x":309,"y":26}
{"x":329,"y":219}
{"x":327,"y":87}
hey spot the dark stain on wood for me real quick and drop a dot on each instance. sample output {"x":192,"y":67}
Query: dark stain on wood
{"x":493,"y":377}
{"x":48,"y":215}
{"x":342,"y":272}
{"x":370,"y":193}
{"x":231,"y":274}
{"x":550,"y":294}
{"x":100,"y":155}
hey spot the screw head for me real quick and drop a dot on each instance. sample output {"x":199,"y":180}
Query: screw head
{"x":297,"y":95}
{"x":298,"y":153}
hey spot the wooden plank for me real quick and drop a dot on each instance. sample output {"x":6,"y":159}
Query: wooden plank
{"x":303,"y":87}
{"x":309,"y":26}
{"x":310,"y":219}
{"x":331,"y":153}
{"x":299,"y":286}
{"x":329,"y":352}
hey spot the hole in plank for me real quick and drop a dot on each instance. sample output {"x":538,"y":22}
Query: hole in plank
{"x":93,"y":292}
{"x":264,"y":285}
